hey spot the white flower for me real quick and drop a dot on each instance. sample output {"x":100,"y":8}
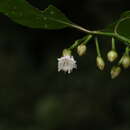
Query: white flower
{"x":66,"y":64}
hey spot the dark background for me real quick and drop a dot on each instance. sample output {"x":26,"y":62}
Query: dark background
{"x":34,"y":96}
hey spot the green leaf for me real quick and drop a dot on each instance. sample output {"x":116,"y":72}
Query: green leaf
{"x":23,"y":13}
{"x":123,"y":27}
{"x":125,"y":14}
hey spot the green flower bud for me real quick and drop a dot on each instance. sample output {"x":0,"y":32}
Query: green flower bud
{"x":66,"y":52}
{"x":125,"y":61}
{"x":81,"y":49}
{"x":112,"y":55}
{"x":100,"y":62}
{"x":115,"y":71}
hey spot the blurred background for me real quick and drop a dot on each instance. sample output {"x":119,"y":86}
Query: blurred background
{"x":34,"y":96}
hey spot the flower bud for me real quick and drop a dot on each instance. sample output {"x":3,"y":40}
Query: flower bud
{"x":115,"y":71}
{"x":112,"y":55}
{"x":81,"y":49}
{"x":100,"y":62}
{"x":125,"y":61}
{"x":66,"y":52}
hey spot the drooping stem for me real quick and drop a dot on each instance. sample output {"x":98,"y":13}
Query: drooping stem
{"x":113,"y":44}
{"x":97,"y":47}
{"x":127,"y":51}
{"x":85,"y":40}
{"x":76,"y":43}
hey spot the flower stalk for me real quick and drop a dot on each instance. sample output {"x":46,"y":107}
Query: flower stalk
{"x":97,"y":47}
{"x":112,"y":54}
{"x":84,"y":40}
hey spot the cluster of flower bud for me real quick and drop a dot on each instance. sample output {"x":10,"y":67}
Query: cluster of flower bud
{"x":124,"y":61}
{"x":67,"y":63}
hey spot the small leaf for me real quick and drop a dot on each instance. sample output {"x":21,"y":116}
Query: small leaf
{"x":125,"y":14}
{"x":23,"y":13}
{"x":123,"y":27}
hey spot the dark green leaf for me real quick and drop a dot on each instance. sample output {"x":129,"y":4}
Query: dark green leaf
{"x":120,"y":26}
{"x":23,"y":13}
{"x":123,"y":27}
{"x":125,"y":14}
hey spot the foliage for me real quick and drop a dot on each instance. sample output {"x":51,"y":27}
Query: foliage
{"x":25,"y":14}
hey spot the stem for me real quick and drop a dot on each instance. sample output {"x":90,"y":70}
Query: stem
{"x":127,"y":51}
{"x":97,"y":47}
{"x":87,"y":39}
{"x":76,"y":43}
{"x":109,"y":34}
{"x":120,"y":61}
{"x":113,"y":44}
